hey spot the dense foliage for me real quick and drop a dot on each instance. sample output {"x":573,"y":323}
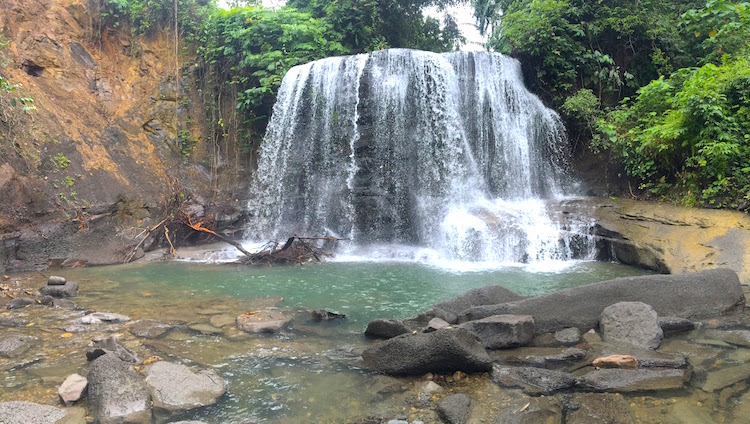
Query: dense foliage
{"x":662,"y":85}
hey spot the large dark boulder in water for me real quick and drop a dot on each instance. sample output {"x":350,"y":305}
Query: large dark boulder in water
{"x":695,"y":295}
{"x":502,"y":331}
{"x":117,"y":393}
{"x":447,"y":350}
{"x":385,"y":328}
{"x":450,"y":309}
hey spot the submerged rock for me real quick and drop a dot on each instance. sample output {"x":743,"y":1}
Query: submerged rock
{"x":13,"y":345}
{"x":600,"y":408}
{"x":20,"y":302}
{"x":533,"y":381}
{"x":502,"y":331}
{"x":547,"y":410}
{"x":696,"y":295}
{"x":454,"y":409}
{"x":175,"y":388}
{"x":446,"y":350}
{"x":265,"y":321}
{"x":726,"y":377}
{"x":326,"y":315}
{"x":633,"y":323}
{"x":641,"y":380}
{"x":96,"y":318}
{"x":149,"y":328}
{"x":117,"y":393}
{"x":385,"y":328}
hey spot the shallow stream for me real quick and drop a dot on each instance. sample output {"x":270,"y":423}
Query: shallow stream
{"x":309,"y":373}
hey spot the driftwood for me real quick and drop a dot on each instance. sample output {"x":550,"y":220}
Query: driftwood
{"x":296,"y":250}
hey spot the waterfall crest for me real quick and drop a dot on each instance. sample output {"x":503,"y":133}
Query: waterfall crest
{"x":445,"y":151}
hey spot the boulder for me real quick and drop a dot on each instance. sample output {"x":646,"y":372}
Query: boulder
{"x":450,"y":309}
{"x":13,"y":345}
{"x":599,"y":408}
{"x":675,"y":325}
{"x":385,"y":328}
{"x":641,"y":380}
{"x":55,"y":280}
{"x":221,"y":320}
{"x":547,"y":410}
{"x":454,"y":409}
{"x":733,"y":337}
{"x":435,"y":324}
{"x":326,"y":315}
{"x":69,"y":289}
{"x":446,"y":350}
{"x":72,"y":389}
{"x":568,"y":336}
{"x":149,"y":328}
{"x":20,"y":302}
{"x":502,"y":331}
{"x":533,"y":381}
{"x":265,"y":321}
{"x":694,"y":295}
{"x":633,"y":323}
{"x":117,"y":393}
{"x":97,"y":318}
{"x":110,"y":345}
{"x":18,"y":412}
{"x":175,"y":388}
{"x":625,"y":362}
{"x":539,"y":357}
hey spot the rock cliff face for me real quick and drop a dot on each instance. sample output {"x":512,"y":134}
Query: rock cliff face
{"x":669,"y":239}
{"x":99,"y":157}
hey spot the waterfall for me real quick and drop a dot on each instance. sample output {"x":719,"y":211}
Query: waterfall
{"x":401,"y":147}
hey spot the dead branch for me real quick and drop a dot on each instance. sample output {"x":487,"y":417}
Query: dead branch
{"x":148,"y":232}
{"x":199,"y":227}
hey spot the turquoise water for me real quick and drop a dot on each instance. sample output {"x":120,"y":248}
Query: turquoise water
{"x":310,"y":373}
{"x":362,"y":291}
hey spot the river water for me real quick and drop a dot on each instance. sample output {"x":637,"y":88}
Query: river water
{"x":309,"y":373}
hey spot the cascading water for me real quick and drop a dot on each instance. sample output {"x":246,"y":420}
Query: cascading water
{"x":449,"y":152}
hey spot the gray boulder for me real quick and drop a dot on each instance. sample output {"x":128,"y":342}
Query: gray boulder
{"x":101,"y":318}
{"x":386,"y":328}
{"x":117,"y":393}
{"x":693,"y":295}
{"x":450,"y":309}
{"x":454,"y":409}
{"x":20,"y":302}
{"x":150,"y":329}
{"x":641,"y":380}
{"x":446,"y":350}
{"x":104,"y":345}
{"x":12,"y":322}
{"x":13,"y":345}
{"x":265,"y":321}
{"x":568,"y":336}
{"x":72,"y":389}
{"x":533,"y":381}
{"x":55,"y":280}
{"x":176,"y":388}
{"x":69,"y":289}
{"x":633,"y":323}
{"x":17,"y":412}
{"x":502,"y":331}
{"x":435,"y":324}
